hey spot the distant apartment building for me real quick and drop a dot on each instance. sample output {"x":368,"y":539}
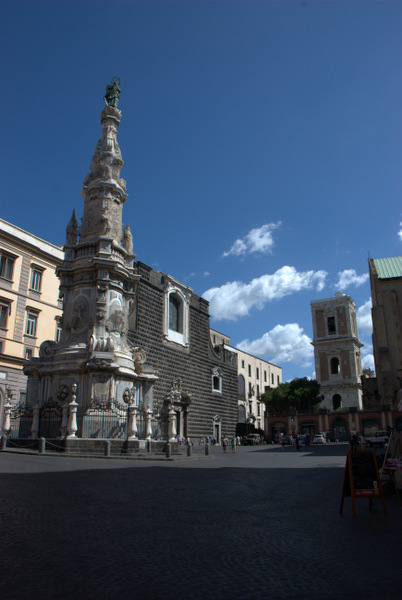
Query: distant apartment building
{"x":255,"y":376}
{"x":30,"y":309}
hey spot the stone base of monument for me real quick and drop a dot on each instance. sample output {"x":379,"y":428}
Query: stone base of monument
{"x":112,"y":446}
{"x":98,"y":447}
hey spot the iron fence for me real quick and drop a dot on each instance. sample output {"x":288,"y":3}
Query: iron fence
{"x":103,"y":419}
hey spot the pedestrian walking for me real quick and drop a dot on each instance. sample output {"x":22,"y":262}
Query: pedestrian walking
{"x":353,"y":442}
{"x":233,"y":442}
{"x":224,"y":443}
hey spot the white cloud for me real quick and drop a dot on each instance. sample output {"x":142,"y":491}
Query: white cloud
{"x":349,"y":277}
{"x":196,"y":274}
{"x":235,"y":299}
{"x":283,"y":344}
{"x":368,"y":362}
{"x":257,"y":240}
{"x":364,"y":322}
{"x":400,"y":231}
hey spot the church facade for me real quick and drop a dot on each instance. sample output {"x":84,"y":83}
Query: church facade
{"x":171,"y":323}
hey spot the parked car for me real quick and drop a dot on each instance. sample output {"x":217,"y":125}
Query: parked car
{"x":253,"y":439}
{"x":380,"y":438}
{"x":319,"y":439}
{"x":286,"y":440}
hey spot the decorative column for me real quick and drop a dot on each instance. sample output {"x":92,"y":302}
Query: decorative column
{"x":35,"y":422}
{"x":7,"y":418}
{"x":72,"y":414}
{"x":172,"y":425}
{"x":148,"y":416}
{"x":64,"y":421}
{"x":132,"y":422}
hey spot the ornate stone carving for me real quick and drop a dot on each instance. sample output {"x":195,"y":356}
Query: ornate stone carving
{"x":79,"y":319}
{"x":72,"y":231}
{"x":128,"y":239}
{"x":46,"y":349}
{"x":62,"y":392}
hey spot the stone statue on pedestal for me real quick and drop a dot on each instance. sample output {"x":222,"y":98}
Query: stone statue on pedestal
{"x":112,"y":93}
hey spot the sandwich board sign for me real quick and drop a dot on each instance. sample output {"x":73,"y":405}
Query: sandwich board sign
{"x":362,"y":479}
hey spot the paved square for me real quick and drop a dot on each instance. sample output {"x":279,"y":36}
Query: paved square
{"x":259,"y":523}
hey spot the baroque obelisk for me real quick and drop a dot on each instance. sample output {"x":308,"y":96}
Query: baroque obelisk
{"x":97,"y":284}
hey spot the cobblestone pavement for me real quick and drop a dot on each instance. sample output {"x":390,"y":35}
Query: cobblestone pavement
{"x":256,"y":524}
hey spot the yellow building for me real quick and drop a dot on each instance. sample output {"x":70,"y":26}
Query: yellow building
{"x":255,"y":376}
{"x":30,"y":309}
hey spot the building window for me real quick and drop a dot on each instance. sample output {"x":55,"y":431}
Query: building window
{"x":249,"y":370}
{"x":258,"y":410}
{"x":176,"y":312}
{"x":334,"y":366}
{"x":258,"y":391}
{"x":58,"y":330}
{"x":265,"y":375}
{"x":28,"y":353}
{"x":242,"y":364}
{"x":32,"y":322}
{"x":272,"y":378}
{"x":336,"y":402}
{"x":277,"y":380}
{"x":216,"y":383}
{"x":257,"y":373}
{"x":331,"y":325}
{"x":241,"y":387}
{"x":36,"y":278}
{"x":217,"y":380}
{"x":5,"y":309}
{"x":6,"y":265}
{"x":1,"y":346}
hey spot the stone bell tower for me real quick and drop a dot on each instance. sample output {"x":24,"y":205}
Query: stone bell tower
{"x":97,"y":284}
{"x":337,"y":352}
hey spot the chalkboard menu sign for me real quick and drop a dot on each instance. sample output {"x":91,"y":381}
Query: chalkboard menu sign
{"x":361,"y":478}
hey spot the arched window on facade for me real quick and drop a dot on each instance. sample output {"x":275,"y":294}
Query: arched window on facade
{"x":175,"y":313}
{"x":340,"y":430}
{"x":217,"y":380}
{"x":242,"y":414}
{"x":334,"y":366}
{"x":241,"y":387}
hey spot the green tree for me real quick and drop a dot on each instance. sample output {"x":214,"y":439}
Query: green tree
{"x":301,"y":394}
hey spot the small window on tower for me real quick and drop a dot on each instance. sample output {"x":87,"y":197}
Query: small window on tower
{"x":334,"y":366}
{"x":331,"y":325}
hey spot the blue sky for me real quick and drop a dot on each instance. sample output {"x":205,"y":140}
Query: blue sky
{"x":262,"y":144}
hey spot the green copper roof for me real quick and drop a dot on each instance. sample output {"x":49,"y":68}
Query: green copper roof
{"x":387,"y":268}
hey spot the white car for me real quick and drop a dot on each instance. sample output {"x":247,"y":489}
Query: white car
{"x":319,"y":439}
{"x":380,"y":438}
